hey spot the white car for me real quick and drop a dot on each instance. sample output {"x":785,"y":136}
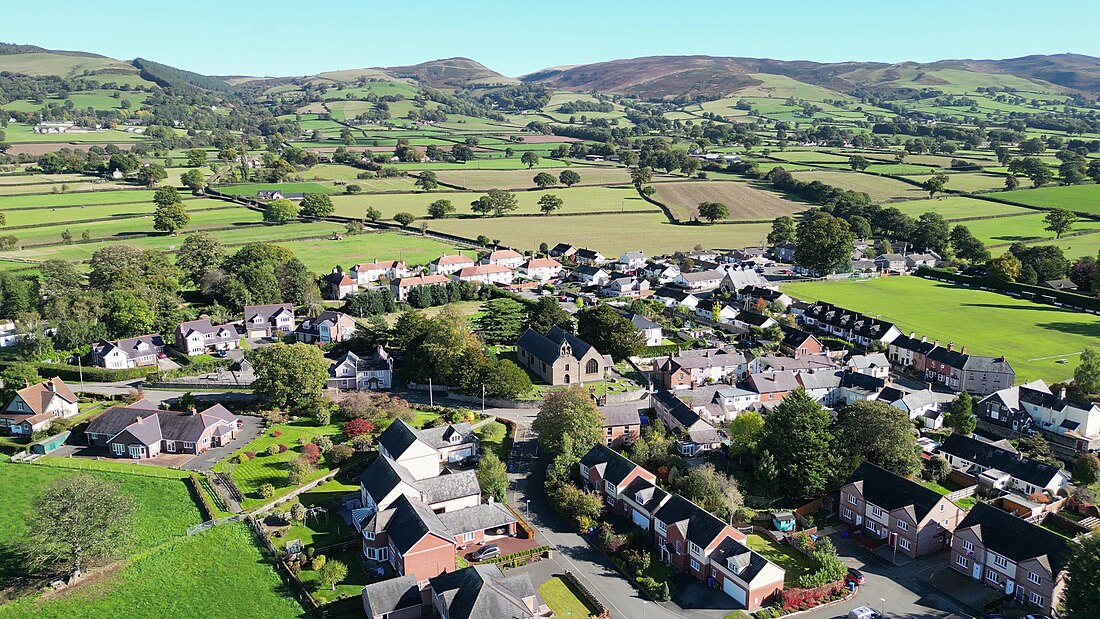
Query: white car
{"x":863,"y":612}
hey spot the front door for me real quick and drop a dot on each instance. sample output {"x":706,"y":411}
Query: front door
{"x":859,"y":519}
{"x":976,"y":573}
{"x":1009,"y":586}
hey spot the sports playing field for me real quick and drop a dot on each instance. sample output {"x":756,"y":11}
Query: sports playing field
{"x":1032,"y":336}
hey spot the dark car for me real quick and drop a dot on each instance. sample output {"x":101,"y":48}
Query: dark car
{"x":855,"y":576}
{"x":469,"y":461}
{"x":488,"y":551}
{"x":221,"y":354}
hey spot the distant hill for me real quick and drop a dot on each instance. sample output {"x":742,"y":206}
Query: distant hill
{"x":168,"y":76}
{"x":35,"y":60}
{"x":450,"y":73}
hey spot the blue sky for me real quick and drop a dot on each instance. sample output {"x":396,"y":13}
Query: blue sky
{"x":277,"y":37}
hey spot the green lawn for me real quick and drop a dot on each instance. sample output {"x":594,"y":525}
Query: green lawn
{"x":351,"y":586}
{"x":564,"y":599}
{"x":1032,"y":336}
{"x":492,"y":437}
{"x":217,"y":573}
{"x":793,"y":562}
{"x":111,"y":466}
{"x":319,"y":531}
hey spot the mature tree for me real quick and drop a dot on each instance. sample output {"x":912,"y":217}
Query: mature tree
{"x":967,"y":246}
{"x":544,"y":180}
{"x":1047,"y":261}
{"x":200,"y":253}
{"x":316,"y":205}
{"x":1083,"y":273}
{"x":166,"y":196}
{"x":1011,"y":183}
{"x":127,"y":314}
{"x":548,"y":203}
{"x":713,"y":211}
{"x":150,"y":174}
{"x":960,"y":416}
{"x":745,"y":432}
{"x":641,"y":176}
{"x":610,"y":332}
{"x":936,"y":468}
{"x":931,"y":233}
{"x":797,"y":435}
{"x":568,"y":412}
{"x":861,"y":226}
{"x":878,"y":433}
{"x":16,"y":376}
{"x":500,"y":201}
{"x":404,"y":218}
{"x":372,"y":214}
{"x":783,"y":231}
{"x":569,"y":178}
{"x":481,"y":206}
{"x":1086,"y":376}
{"x":710,"y":489}
{"x":426,"y":181}
{"x":935,"y":184}
{"x":858,"y":163}
{"x":530,"y":159}
{"x":289,"y":375}
{"x":547,"y":313}
{"x":59,"y":277}
{"x":280,"y":211}
{"x":79,"y":519}
{"x":1060,"y":221}
{"x":893,"y":223}
{"x":171,"y":217}
{"x":1086,"y":470}
{"x":501,"y":321}
{"x":331,"y":573}
{"x":1033,"y":168}
{"x":461,"y":152}
{"x":196,"y":157}
{"x":193,"y":179}
{"x":503,"y":379}
{"x":1005,"y":268}
{"x":824,"y":243}
{"x":440,"y":208}
{"x":493,"y":476}
{"x":1081,"y":599}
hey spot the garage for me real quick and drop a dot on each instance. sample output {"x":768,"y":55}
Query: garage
{"x":640,"y":519}
{"x":734,"y":591}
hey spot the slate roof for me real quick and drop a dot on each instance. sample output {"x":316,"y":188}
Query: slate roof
{"x":678,"y":409}
{"x":223,"y":333}
{"x":753,"y":319}
{"x":641,"y":322}
{"x":746,"y":563}
{"x":412,"y":521}
{"x":590,"y":271}
{"x":610,"y":464}
{"x":994,"y":457}
{"x":129,"y":346}
{"x":115,"y":419}
{"x":890,"y":491}
{"x":266,"y":312}
{"x":387,"y":596}
{"x":697,"y":524}
{"x":589,"y":254}
{"x":650,"y":494}
{"x":676,"y":294}
{"x":327,"y":317}
{"x":828,"y":379}
{"x":339,"y":278}
{"x":701,"y":358}
{"x":1017,"y":539}
{"x":906,"y":342}
{"x":547,"y":348}
{"x":382,"y":476}
{"x":440,"y":437}
{"x":121,"y":424}
{"x":622,"y":415}
{"x":477,"y":518}
{"x":701,"y":276}
{"x":397,"y":437}
{"x":793,"y":338}
{"x":448,"y":486}
{"x":483,"y":592}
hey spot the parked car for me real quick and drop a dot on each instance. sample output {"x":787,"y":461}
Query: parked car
{"x":469,"y":461}
{"x":161,"y":355}
{"x":863,"y":612}
{"x":855,"y":576}
{"x":488,"y":551}
{"x":222,"y":354}
{"x":563,"y":298}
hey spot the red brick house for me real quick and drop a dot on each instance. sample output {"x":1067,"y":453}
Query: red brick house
{"x":773,"y":387}
{"x":608,"y":472}
{"x":798,"y":343}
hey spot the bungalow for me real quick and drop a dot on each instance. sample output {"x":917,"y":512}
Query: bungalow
{"x":401,"y":286}
{"x":564,"y":251}
{"x":268,"y":320}
{"x":196,"y":337}
{"x":890,"y":262}
{"x":916,"y":261}
{"x":34,"y":407}
{"x":485,"y":274}
{"x":338,"y":285}
{"x":748,"y":320}
{"x":327,"y":327}
{"x":622,"y":424}
{"x":373,"y":372}
{"x":139,"y":430}
{"x":508,"y":258}
{"x":999,"y":466}
{"x":650,"y":331}
{"x":623,"y":285}
{"x":1013,"y":556}
{"x":131,"y":352}
{"x":911,"y":518}
{"x":701,"y":280}
{"x":676,"y":297}
{"x":447,"y":264}
{"x":591,"y":275}
{"x":369,"y":272}
{"x":1064,"y":285}
{"x":589,"y":257}
{"x":540,"y":269}
{"x":663,"y":273}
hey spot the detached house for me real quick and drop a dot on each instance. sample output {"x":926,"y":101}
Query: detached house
{"x":139,"y":430}
{"x":373,"y":372}
{"x":401,"y":286}
{"x":593,"y":275}
{"x":540,"y":269}
{"x":565,"y":251}
{"x":650,"y":331}
{"x":695,"y":434}
{"x":623,"y":285}
{"x":1013,"y":556}
{"x":426,"y":452}
{"x":34,"y":407}
{"x":484,"y":592}
{"x":700,"y":366}
{"x":676,"y":297}
{"x":369,"y":272}
{"x":385,"y":481}
{"x":196,"y":337}
{"x":327,"y":327}
{"x":338,"y":285}
{"x":699,"y":281}
{"x":268,"y":320}
{"x":1071,"y":426}
{"x":486,"y":274}
{"x":589,"y":257}
{"x":622,"y":424}
{"x":561,"y":358}
{"x":608,"y":473}
{"x":447,"y":264}
{"x":904,"y":514}
{"x":131,"y":352}
{"x":663,"y":273}
{"x":508,"y":258}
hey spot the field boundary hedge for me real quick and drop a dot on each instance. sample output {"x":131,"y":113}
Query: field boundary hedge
{"x":71,"y":373}
{"x":1029,"y":292}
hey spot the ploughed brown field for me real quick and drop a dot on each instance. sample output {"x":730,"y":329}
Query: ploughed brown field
{"x":742,"y":199}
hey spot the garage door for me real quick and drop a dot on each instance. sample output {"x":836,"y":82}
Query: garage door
{"x":640,"y":519}
{"x":735,"y":592}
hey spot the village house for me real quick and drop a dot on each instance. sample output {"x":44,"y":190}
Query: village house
{"x":717,"y":311}
{"x":650,"y":331}
{"x":197,"y":337}
{"x":622,"y":425}
{"x":268,"y":320}
{"x":385,"y":480}
{"x":561,"y":358}
{"x":821,"y":385}
{"x":507,"y":258}
{"x":874,"y":364}
{"x":998,"y":465}
{"x":484,"y":592}
{"x":338,"y":285}
{"x":449,"y":263}
{"x":632,"y":260}
{"x":608,"y":473}
{"x":370,"y":272}
{"x":623,"y":285}
{"x":695,"y":435}
{"x":924,"y":405}
{"x":718,"y":403}
{"x":661,"y":272}
{"x":890,"y":262}
{"x":410,"y":537}
{"x":676,"y":297}
{"x":1011,"y":555}
{"x":485,"y":274}
{"x":327,"y":327}
{"x":700,"y":366}
{"x":855,"y":387}
{"x":799,"y":343}
{"x":589,"y":257}
{"x":1070,"y":426}
{"x":773,"y":387}
{"x":749,"y":296}
{"x":784,"y":252}
{"x":853,"y":327}
{"x":564,"y":251}
{"x":401,"y":286}
{"x":128,"y":353}
{"x":699,"y":280}
{"x":908,"y":352}
{"x":540,"y":269}
{"x":894,"y":511}
{"x":737,"y":278}
{"x":593,"y":275}
{"x":916,"y":261}
{"x":140,"y":430}
{"x":959,"y":371}
{"x":34,"y":407}
{"x":373,"y":372}
{"x":748,"y":320}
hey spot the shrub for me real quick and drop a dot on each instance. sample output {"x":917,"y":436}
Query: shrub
{"x":282,"y":448}
{"x":298,"y":514}
{"x":277,"y":433}
{"x":318,"y":562}
{"x":358,"y":427}
{"x":323,"y":443}
{"x":251,"y":455}
{"x":341,"y":454}
{"x":311,"y":452}
{"x":242,"y":458}
{"x":361,"y":443}
{"x":266,"y":491}
{"x":273,"y":450}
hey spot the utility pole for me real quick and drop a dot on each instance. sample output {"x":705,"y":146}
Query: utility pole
{"x":80,"y":366}
{"x":431,"y":394}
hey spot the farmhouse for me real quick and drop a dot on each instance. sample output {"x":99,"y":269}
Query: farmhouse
{"x":34,"y":407}
{"x":373,"y":372}
{"x":401,"y":286}
{"x":131,"y":352}
{"x":561,"y":358}
{"x":196,"y":337}
{"x":268,"y":320}
{"x":327,"y":327}
{"x":369,"y":272}
{"x":540,"y":269}
{"x":486,"y":274}
{"x":139,"y":430}
{"x":447,"y":264}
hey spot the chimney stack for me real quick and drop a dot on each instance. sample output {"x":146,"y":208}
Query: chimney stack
{"x":923,"y":339}
{"x":1062,"y":393}
{"x":951,"y":347}
{"x":964,"y":350}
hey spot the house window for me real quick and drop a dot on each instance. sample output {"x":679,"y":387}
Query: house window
{"x":904,"y":544}
{"x":1035,"y":578}
{"x":962,"y":561}
{"x":118,"y":448}
{"x":661,"y":528}
{"x":695,"y":548}
{"x":695,"y":565}
{"x":679,"y":548}
{"x":994,"y":577}
{"x":968,"y":546}
{"x":847,"y":513}
{"x":170,"y":446}
{"x":852,"y":499}
{"x":611,"y":500}
{"x":368,"y":535}
{"x":1037,"y":600}
{"x":610,"y":487}
{"x":902,"y":525}
{"x":584,"y":471}
{"x":1000,"y":561}
{"x":467,"y":537}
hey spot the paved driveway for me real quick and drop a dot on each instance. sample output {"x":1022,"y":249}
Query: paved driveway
{"x":251,"y":427}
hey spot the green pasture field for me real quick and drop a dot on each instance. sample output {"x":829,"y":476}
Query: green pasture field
{"x":48,"y":216}
{"x":743,"y":200}
{"x":973,"y":181}
{"x":900,"y":169}
{"x":1032,"y":336}
{"x":79,"y":186}
{"x":251,"y":189}
{"x":1074,"y":246}
{"x":483,"y":180}
{"x":42,"y":63}
{"x":881,"y":189}
{"x":497,"y":161}
{"x":49,"y":179}
{"x":1079,"y":198}
{"x":1013,"y":229}
{"x":86,"y":198}
{"x":958,"y":207}
{"x":609,"y":233}
{"x":577,"y":200}
{"x":809,"y":156}
{"x":216,"y":573}
{"x":19,"y":133}
{"x":320,"y":255}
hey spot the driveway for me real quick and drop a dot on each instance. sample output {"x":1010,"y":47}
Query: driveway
{"x":251,"y":427}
